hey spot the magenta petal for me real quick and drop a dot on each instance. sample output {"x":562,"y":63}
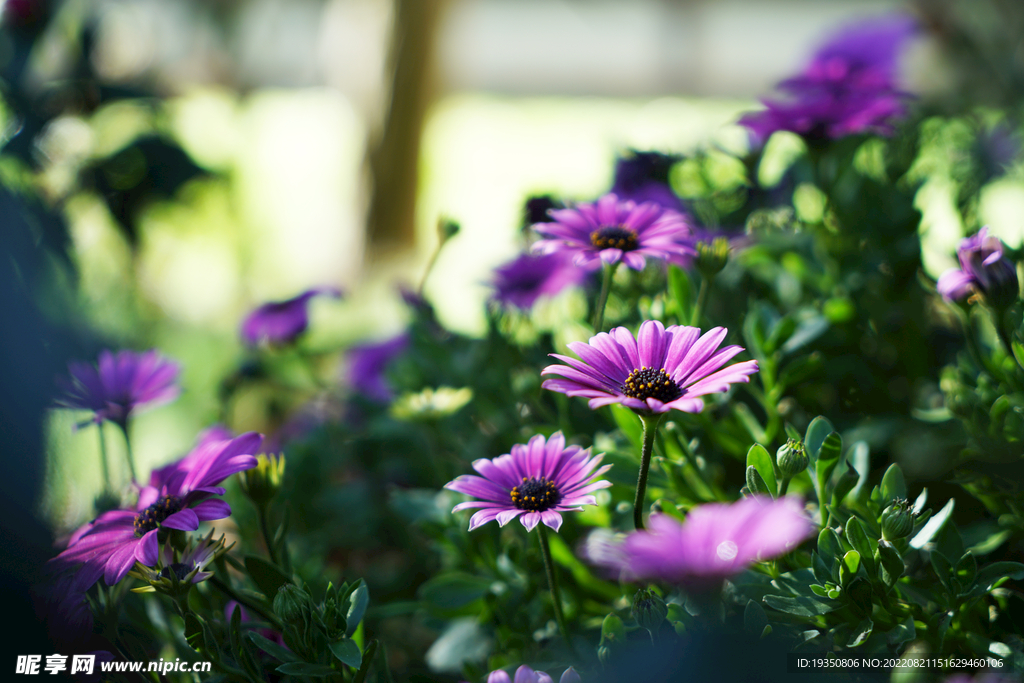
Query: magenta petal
{"x":148,"y":550}
{"x":117,"y":566}
{"x":184,"y":520}
{"x":550,"y":518}
{"x":210,"y":510}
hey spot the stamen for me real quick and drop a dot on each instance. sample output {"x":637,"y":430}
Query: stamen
{"x":151,"y":517}
{"x":645,"y":383}
{"x":535,"y":494}
{"x":614,"y":237}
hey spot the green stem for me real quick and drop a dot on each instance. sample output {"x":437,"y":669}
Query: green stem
{"x":246,"y":602}
{"x":104,"y":463}
{"x":262,"y":509}
{"x":128,"y":450}
{"x":783,"y":487}
{"x":702,"y":299}
{"x":650,"y":423}
{"x":556,"y":598}
{"x":602,"y":298}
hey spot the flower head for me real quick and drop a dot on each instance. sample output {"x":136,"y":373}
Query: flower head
{"x":178,"y":571}
{"x":715,"y":541}
{"x":522,"y":281}
{"x":849,"y":86}
{"x":525,"y":674}
{"x":368,"y":363}
{"x":281,"y":322}
{"x":538,"y":480}
{"x":983,"y":268}
{"x":121,"y":383}
{"x":178,"y":496}
{"x":661,"y":369}
{"x":612,"y":230}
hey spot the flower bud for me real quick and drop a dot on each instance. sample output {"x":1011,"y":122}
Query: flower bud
{"x":712,"y":257}
{"x":613,"y":630}
{"x":792,"y":458}
{"x":292,"y":604}
{"x":897,"y":520}
{"x":262,"y":482}
{"x":649,"y":610}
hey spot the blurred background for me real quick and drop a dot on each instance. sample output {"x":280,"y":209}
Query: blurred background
{"x":167,"y":165}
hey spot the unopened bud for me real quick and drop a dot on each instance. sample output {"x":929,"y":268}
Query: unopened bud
{"x":649,"y":610}
{"x":792,"y":458}
{"x":897,"y":520}
{"x":262,"y":482}
{"x":292,"y":604}
{"x":712,"y":257}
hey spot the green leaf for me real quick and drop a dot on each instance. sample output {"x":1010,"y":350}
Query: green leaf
{"x":267,"y":577}
{"x":194,"y":633}
{"x":306,"y":669}
{"x":851,"y":562}
{"x":892,"y":566}
{"x":820,"y":591}
{"x":759,"y":459}
{"x":749,"y":422}
{"x":901,"y":633}
{"x":680,"y":289}
{"x":861,"y":632}
{"x":347,"y":652}
{"x":858,"y":538}
{"x":829,"y":546}
{"x":828,"y":458}
{"x":942,"y":569}
{"x":808,"y":330}
{"x":756,"y":484}
{"x":965,"y":571}
{"x":989,"y":576}
{"x":754,"y":618}
{"x":932,"y":527}
{"x":819,"y":428}
{"x":358,"y":601}
{"x":822,"y":572}
{"x":628,"y":422}
{"x":364,"y":669}
{"x":454,"y":590}
{"x":276,"y":651}
{"x":893,"y":485}
{"x":802,"y":606}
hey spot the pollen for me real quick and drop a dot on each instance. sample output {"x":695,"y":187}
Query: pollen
{"x":151,"y":517}
{"x":614,"y":237}
{"x":535,"y":494}
{"x":644,"y":383}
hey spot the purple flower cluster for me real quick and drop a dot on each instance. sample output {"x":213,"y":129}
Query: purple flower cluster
{"x":119,"y":384}
{"x":849,"y":86}
{"x":984,"y":269}
{"x":281,"y":322}
{"x":661,"y":369}
{"x":367,"y":365}
{"x":525,"y":674}
{"x":714,"y":542}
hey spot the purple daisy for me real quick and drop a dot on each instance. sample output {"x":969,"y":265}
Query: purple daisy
{"x":538,"y":480}
{"x":714,"y":542}
{"x":984,"y":269}
{"x":525,"y":674}
{"x":179,"y":496}
{"x":661,"y":369}
{"x":612,"y":231}
{"x":121,"y":383}
{"x":522,"y":281}
{"x":367,"y":364}
{"x":281,"y":322}
{"x":849,"y":86}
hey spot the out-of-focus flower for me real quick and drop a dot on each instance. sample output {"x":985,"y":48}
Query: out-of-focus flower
{"x":983,"y":269}
{"x":522,"y":281}
{"x":849,"y":86}
{"x":661,"y":369}
{"x":612,"y":230}
{"x":525,"y":674}
{"x":537,"y":209}
{"x":714,"y":542}
{"x":262,"y":482}
{"x":996,"y":148}
{"x":367,"y":365}
{"x":643,"y":177}
{"x":179,"y":496}
{"x":120,"y":384}
{"x":431,"y":404}
{"x":538,"y":480}
{"x":281,"y":322}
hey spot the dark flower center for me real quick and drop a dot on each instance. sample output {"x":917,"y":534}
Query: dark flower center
{"x":151,"y":517}
{"x":646,"y":383}
{"x":535,"y":494}
{"x":179,"y":569}
{"x":614,"y":237}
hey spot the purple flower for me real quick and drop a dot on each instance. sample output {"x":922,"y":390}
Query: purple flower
{"x":849,"y":86}
{"x":367,"y":364}
{"x":643,"y":177}
{"x":281,"y":322}
{"x":179,"y":496}
{"x":120,"y":384}
{"x":715,"y":541}
{"x":984,"y":269}
{"x":611,"y":231}
{"x":522,"y":281}
{"x":525,"y":674}
{"x":538,"y":480}
{"x":660,"y":370}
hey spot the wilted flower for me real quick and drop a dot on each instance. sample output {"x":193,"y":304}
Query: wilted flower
{"x":538,"y":480}
{"x":984,"y":269}
{"x":119,"y":384}
{"x":528,"y":277}
{"x":661,"y":369}
{"x":367,"y":365}
{"x":179,"y":496}
{"x":612,"y":230}
{"x":281,"y":322}
{"x":849,"y":86}
{"x":715,"y":541}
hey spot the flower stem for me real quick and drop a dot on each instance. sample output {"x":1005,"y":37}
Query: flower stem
{"x":602,"y":298}
{"x":227,"y":590}
{"x":104,"y":464}
{"x":650,"y":423}
{"x":128,"y":450}
{"x":702,"y":300}
{"x":556,"y":598}
{"x":265,"y":530}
